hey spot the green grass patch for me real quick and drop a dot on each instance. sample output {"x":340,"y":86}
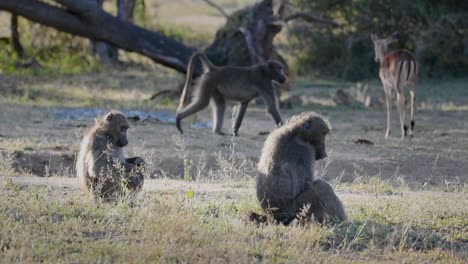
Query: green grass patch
{"x":43,"y":224}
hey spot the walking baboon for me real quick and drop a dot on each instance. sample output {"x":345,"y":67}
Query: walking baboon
{"x":397,"y":69}
{"x":286,"y":185}
{"x":102,"y":168}
{"x":242,"y":84}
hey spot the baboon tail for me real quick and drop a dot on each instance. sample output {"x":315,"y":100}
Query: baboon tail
{"x":188,"y":79}
{"x":188,"y":82}
{"x":206,"y":62}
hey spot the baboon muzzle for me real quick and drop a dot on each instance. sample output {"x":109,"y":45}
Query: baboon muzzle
{"x":320,"y":153}
{"x":281,"y":78}
{"x":122,"y":142}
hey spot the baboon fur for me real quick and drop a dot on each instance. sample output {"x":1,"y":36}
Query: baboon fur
{"x":101,"y":167}
{"x":221,"y":83}
{"x":286,"y":184}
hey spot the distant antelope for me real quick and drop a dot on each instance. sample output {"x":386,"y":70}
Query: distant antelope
{"x":397,"y":69}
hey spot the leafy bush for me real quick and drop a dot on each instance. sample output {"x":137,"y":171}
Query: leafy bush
{"x":434,"y":30}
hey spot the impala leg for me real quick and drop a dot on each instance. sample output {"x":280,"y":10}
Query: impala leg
{"x":413,"y":105}
{"x":388,"y":102}
{"x":402,"y":112}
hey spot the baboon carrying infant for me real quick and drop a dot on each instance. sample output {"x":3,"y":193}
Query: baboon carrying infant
{"x":286,"y":185}
{"x":102,"y":168}
{"x":241,"y":84}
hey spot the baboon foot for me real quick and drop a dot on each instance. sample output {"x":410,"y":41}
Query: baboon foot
{"x":139,"y":162}
{"x":178,"y":125}
{"x":220,"y":133}
{"x":256,"y":218}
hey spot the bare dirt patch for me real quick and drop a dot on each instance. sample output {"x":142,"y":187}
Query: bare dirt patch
{"x":437,"y":155}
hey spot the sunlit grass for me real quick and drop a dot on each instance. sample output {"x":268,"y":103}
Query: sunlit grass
{"x":45,"y":224}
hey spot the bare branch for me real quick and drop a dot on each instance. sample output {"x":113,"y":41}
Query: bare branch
{"x":289,"y":12}
{"x":311,"y":19}
{"x":217,"y":7}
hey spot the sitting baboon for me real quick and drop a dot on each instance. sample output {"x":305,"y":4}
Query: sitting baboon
{"x":241,"y":84}
{"x":102,"y":168}
{"x":286,"y":185}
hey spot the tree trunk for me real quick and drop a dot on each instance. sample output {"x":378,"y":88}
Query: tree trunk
{"x":15,"y":39}
{"x":247,"y":36}
{"x":107,"y":53}
{"x":125,"y":9}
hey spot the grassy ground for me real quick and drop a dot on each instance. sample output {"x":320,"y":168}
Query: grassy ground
{"x":50,"y":224}
{"x":406,"y":201}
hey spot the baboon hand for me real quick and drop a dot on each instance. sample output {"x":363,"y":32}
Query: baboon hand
{"x":139,"y":161}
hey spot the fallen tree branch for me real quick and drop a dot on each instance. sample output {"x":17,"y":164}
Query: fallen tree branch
{"x":84,"y":18}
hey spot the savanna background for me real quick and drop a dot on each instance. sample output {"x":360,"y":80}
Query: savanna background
{"x":407,"y":201}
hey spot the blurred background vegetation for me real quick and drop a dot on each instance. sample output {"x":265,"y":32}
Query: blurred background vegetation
{"x":436,"y":31}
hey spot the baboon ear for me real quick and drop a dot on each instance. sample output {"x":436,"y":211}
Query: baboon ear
{"x":109,"y":117}
{"x":271,"y":66}
{"x":265,"y":69}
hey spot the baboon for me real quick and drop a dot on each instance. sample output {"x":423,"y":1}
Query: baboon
{"x":242,"y":84}
{"x":102,"y":168}
{"x":286,"y":184}
{"x":397,"y":69}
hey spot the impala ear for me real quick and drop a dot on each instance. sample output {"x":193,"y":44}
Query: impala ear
{"x":373,"y":37}
{"x":392,"y":38}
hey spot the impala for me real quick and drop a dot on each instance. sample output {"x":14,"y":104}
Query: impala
{"x":397,"y":70}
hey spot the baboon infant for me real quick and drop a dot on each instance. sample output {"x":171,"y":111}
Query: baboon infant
{"x":286,"y":184}
{"x":102,"y":168}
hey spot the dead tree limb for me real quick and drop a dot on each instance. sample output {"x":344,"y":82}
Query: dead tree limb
{"x":310,"y":18}
{"x":84,"y":18}
{"x":288,"y":12}
{"x":217,"y":7}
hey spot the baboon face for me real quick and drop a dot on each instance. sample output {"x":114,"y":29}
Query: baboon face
{"x":116,"y":128}
{"x":314,"y":129}
{"x":275,"y":71}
